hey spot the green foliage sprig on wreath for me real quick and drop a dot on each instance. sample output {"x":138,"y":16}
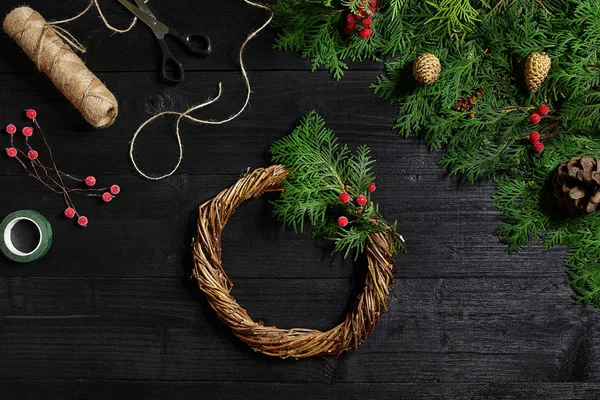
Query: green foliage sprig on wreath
{"x":330,"y":186}
{"x":497,"y":114}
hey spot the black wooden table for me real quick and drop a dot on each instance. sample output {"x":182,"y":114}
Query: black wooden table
{"x":110,"y":312}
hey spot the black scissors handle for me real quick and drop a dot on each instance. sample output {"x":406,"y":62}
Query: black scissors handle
{"x":169,"y":60}
{"x":196,"y":43}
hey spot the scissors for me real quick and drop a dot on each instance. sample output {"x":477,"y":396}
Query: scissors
{"x":196,"y":43}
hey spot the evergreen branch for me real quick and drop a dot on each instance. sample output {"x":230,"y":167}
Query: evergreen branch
{"x":320,"y":170}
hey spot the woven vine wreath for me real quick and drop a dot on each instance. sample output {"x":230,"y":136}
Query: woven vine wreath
{"x":320,"y":181}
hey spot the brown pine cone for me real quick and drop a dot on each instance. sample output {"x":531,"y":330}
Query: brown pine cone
{"x":576,"y":184}
{"x":426,"y":69}
{"x":537,"y":67}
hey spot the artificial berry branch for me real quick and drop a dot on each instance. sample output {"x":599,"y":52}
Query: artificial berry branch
{"x":342,"y":212}
{"x":50,"y":176}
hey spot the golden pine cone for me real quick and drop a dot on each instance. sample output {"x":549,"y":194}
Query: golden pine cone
{"x":426,"y":69}
{"x":537,"y":67}
{"x":576,"y":184}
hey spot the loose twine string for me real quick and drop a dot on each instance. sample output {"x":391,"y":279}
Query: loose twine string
{"x":186,"y":114}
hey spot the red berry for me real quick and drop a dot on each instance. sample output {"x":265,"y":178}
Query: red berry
{"x":534,"y":137}
{"x":69,"y":212}
{"x":82,"y":221}
{"x":31,"y":114}
{"x":361,"y":200}
{"x":358,"y":17}
{"x":365,"y":33}
{"x":90,"y":181}
{"x":27,"y":131}
{"x":11,"y":151}
{"x":344,"y":197}
{"x":348,"y":29}
{"x":106,"y":197}
{"x":366,"y":22}
{"x":32,"y":154}
{"x":535,"y":118}
{"x":350,"y":18}
{"x":538,"y":147}
{"x":11,"y":129}
{"x":342,"y":221}
{"x":115,"y":189}
{"x":543,"y":110}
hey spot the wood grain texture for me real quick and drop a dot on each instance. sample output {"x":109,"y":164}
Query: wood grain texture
{"x":110,"y":313}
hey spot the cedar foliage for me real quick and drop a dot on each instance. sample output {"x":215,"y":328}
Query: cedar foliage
{"x":320,"y":170}
{"x":314,"y":28}
{"x":482,"y":46}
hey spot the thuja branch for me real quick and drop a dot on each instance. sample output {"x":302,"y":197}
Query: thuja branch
{"x":342,"y":212}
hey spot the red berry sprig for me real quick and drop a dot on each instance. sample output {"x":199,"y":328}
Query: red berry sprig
{"x":83,"y":221}
{"x":27,"y":131}
{"x":107,"y":197}
{"x":535,"y":118}
{"x":33,"y":155}
{"x":361,"y":200}
{"x":538,"y":147}
{"x":11,"y":152}
{"x":90,"y":181}
{"x":344,"y":197}
{"x":70,"y":212}
{"x":50,"y":176}
{"x":31,"y":114}
{"x":11,"y":129}
{"x":534,"y":138}
{"x":362,"y":21}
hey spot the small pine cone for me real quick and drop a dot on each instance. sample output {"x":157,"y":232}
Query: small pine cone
{"x":426,"y":69}
{"x":537,"y":67}
{"x":576,"y":184}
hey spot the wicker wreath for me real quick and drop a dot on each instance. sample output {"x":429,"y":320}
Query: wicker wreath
{"x":270,"y":340}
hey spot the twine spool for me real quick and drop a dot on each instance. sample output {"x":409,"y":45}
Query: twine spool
{"x":44,"y":44}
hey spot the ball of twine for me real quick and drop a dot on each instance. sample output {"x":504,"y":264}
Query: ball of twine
{"x":270,"y":340}
{"x":44,"y":44}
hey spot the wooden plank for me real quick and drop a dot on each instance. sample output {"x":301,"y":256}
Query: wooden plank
{"x":436,"y":330}
{"x":175,"y":390}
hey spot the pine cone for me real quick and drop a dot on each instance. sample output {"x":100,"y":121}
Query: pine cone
{"x":577,"y":184}
{"x":426,"y":69}
{"x":537,"y":67}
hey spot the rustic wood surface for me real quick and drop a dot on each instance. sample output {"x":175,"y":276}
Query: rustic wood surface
{"x":109,"y":312}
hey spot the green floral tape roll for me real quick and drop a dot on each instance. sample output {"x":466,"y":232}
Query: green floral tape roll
{"x":45,"y":233}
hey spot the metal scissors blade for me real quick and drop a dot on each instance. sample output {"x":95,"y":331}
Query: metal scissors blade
{"x":142,"y":6}
{"x":159,"y":29}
